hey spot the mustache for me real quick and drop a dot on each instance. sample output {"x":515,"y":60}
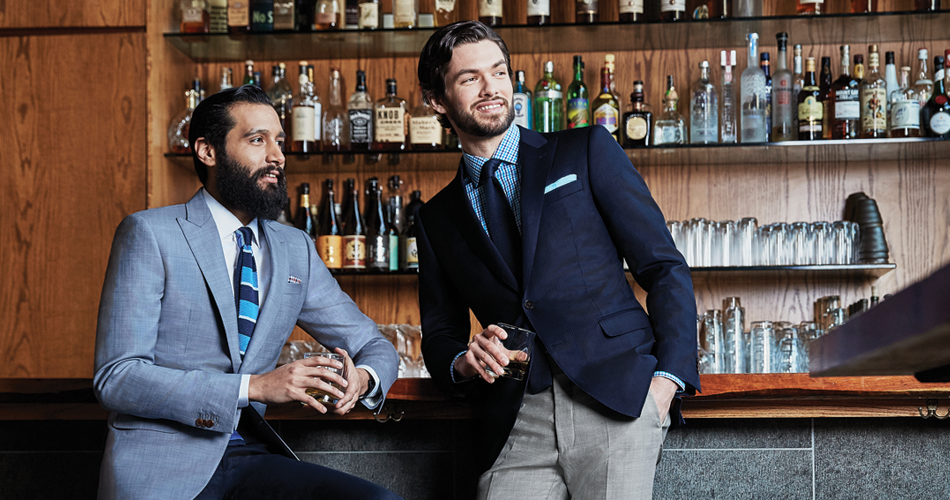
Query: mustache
{"x":277,"y":171}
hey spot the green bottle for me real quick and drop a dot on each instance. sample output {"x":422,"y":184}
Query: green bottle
{"x":578,"y":106}
{"x":548,"y":102}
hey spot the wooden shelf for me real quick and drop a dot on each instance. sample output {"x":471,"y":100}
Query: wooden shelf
{"x":603,"y":37}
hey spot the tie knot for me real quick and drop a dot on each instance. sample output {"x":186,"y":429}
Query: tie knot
{"x":244,"y":236}
{"x":488,"y":171}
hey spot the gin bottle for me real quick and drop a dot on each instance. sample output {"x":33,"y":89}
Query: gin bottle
{"x":670,"y":127}
{"x":548,"y":102}
{"x":521,"y":101}
{"x":754,"y":103}
{"x":727,"y":114}
{"x":703,"y":109}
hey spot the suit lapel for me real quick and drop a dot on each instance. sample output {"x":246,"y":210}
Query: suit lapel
{"x":280,"y":270}
{"x":201,"y":233}
{"x":537,"y":156}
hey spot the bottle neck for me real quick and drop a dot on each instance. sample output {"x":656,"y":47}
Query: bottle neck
{"x":798,"y":65}
{"x":753,"y":53}
{"x":922,"y":73}
{"x":781,"y":63}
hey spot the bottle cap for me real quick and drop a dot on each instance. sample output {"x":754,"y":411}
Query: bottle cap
{"x":549,"y":67}
{"x":704,"y":65}
{"x":889,"y":57}
{"x":922,"y":54}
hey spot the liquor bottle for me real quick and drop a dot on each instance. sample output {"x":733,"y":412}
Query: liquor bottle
{"x":284,"y":14}
{"x":859,"y":68}
{"x":249,"y":74}
{"x":239,"y":16}
{"x":631,"y":11}
{"x":405,"y":13}
{"x":824,"y":85}
{"x":672,"y":10}
{"x":798,"y":81}
{"x":360,"y":112}
{"x":727,"y":114}
{"x":638,"y":122}
{"x":490,"y":12}
{"x":864,"y":6}
{"x":873,"y":99}
{"x":336,"y":122}
{"x":351,"y":14}
{"x":354,"y":234}
{"x":923,"y":86}
{"x":377,"y":236}
{"x":303,"y":136}
{"x":225,"y":82}
{"x":521,"y":101}
{"x":905,"y":109}
{"x":330,"y":231}
{"x":935,"y":116}
{"x":304,"y":218}
{"x":610,"y":64}
{"x":765,"y":65}
{"x":180,"y":124}
{"x":217,"y":16}
{"x":586,"y":11}
{"x":539,"y":12}
{"x":809,"y":7}
{"x":285,"y":217}
{"x":810,"y":109}
{"x":926,"y":5}
{"x":783,"y":107}
{"x":195,"y":17}
{"x":890,"y":76}
{"x":304,"y":15}
{"x":578,"y":106}
{"x":281,"y":93}
{"x":606,"y":107}
{"x":425,"y":131}
{"x":391,"y":121}
{"x":446,"y":12}
{"x":328,"y":15}
{"x":307,"y":69}
{"x":394,"y":222}
{"x":548,"y":102}
{"x":703,"y":109}
{"x":409,"y":254}
{"x":262,"y":15}
{"x":845,"y":101}
{"x":669,"y":127}
{"x":752,"y":85}
{"x":938,"y":71}
{"x":369,"y":15}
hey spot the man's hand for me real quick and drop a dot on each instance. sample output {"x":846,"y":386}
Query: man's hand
{"x":663,"y":390}
{"x":357,"y":383}
{"x":484,"y":351}
{"x":291,"y":381}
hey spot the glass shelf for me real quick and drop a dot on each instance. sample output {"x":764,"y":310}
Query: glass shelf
{"x":860,"y":29}
{"x":843,"y":271}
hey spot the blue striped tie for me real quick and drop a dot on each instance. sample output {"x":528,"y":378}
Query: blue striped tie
{"x":245,"y":289}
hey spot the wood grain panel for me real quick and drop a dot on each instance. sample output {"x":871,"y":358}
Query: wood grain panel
{"x":60,"y":14}
{"x":73,"y":163}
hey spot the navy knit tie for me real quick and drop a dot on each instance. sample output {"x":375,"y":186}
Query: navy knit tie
{"x":245,"y":288}
{"x":499,"y":218}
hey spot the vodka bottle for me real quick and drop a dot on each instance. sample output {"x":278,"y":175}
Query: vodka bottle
{"x":703,"y":109}
{"x":727,"y":114}
{"x":783,"y":123}
{"x":754,"y":103}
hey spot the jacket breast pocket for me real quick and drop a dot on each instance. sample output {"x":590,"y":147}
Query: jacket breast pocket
{"x":562,"y":191}
{"x":622,"y":322}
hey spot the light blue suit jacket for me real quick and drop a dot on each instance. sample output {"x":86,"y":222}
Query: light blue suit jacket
{"x":167,"y":363}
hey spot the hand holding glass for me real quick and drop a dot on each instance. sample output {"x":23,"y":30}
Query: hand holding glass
{"x":518,"y":344}
{"x":321,"y":395}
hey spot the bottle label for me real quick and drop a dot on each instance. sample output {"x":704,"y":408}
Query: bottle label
{"x":549,"y":94}
{"x":906,"y":114}
{"x":636,"y":128}
{"x":390,"y":125}
{"x":393,"y":252}
{"x":607,"y":116}
{"x":539,"y":8}
{"x":445,"y":5}
{"x":361,"y":126}
{"x":631,"y":6}
{"x":811,"y":1}
{"x":522,"y":108}
{"x":810,"y":110}
{"x":284,"y":15}
{"x":369,"y":15}
{"x":587,"y":6}
{"x":317,"y":120}
{"x":672,"y":5}
{"x":192,"y":15}
{"x":847,"y":104}
{"x":218,"y":11}
{"x":330,"y":249}
{"x":578,"y":114}
{"x":412,"y":254}
{"x":940,"y":123}
{"x":324,"y":18}
{"x":425,"y":130}
{"x":873,"y":114}
{"x":238,"y":14}
{"x":378,"y":257}
{"x":303,"y":124}
{"x":354,"y":252}
{"x":489,"y":8}
{"x":404,"y":12}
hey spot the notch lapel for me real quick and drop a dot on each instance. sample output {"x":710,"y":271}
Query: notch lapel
{"x":537,"y":156}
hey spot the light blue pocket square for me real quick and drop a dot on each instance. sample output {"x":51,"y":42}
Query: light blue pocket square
{"x":567,"y":179}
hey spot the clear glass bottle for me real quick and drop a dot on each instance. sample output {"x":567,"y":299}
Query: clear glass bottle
{"x":521,"y":101}
{"x":703,"y":109}
{"x":226,"y":82}
{"x":606,"y":107}
{"x":923,"y":85}
{"x":548,"y":102}
{"x":637,"y":127}
{"x":281,"y":93}
{"x":446,"y":12}
{"x":180,"y":124}
{"x":336,"y":122}
{"x":328,"y":15}
{"x":405,"y":13}
{"x":727,"y":113}
{"x":669,"y":128}
{"x":765,"y":65}
{"x":369,"y":15}
{"x":873,"y":99}
{"x":195,"y":17}
{"x":845,"y":101}
{"x":890,"y":76}
{"x":754,"y":103}
{"x":539,"y":12}
{"x":303,"y":137}
{"x":425,"y":131}
{"x":490,"y":12}
{"x":810,"y":109}
{"x":586,"y":11}
{"x":360,"y":112}
{"x":905,"y":108}
{"x":783,"y":109}
{"x":391,"y":121}
{"x":578,"y":105}
{"x":798,"y":81}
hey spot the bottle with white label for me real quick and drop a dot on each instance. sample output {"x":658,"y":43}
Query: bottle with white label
{"x":539,"y":12}
{"x":631,"y":11}
{"x":425,"y":131}
{"x":446,"y":12}
{"x":669,"y":127}
{"x":905,"y":108}
{"x":727,"y":113}
{"x":369,"y":15}
{"x":703,"y":109}
{"x":391,"y":121}
{"x":490,"y":12}
{"x":754,"y":104}
{"x":360,"y":112}
{"x":672,"y":10}
{"x":405,"y":13}
{"x":521,"y":102}
{"x":303,"y":139}
{"x":845,"y":106}
{"x":873,"y":99}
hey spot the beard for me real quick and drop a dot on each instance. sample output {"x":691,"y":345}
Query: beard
{"x":242,"y":190}
{"x":465,"y":122}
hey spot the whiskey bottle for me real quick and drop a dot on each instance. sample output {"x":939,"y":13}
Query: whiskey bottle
{"x":446,"y":12}
{"x":548,"y":102}
{"x":859,"y":68}
{"x":391,"y":121}
{"x":303,"y":15}
{"x":377,"y":236}
{"x":672,"y":10}
{"x":923,"y":86}
{"x":798,"y":81}
{"x":354,"y":235}
{"x":360,"y":112}
{"x":765,"y":66}
{"x":935,"y":116}
{"x":669,"y":127}
{"x":328,"y":15}
{"x":905,"y":109}
{"x":180,"y":124}
{"x":284,"y":14}
{"x":369,"y":15}
{"x":638,"y":122}
{"x":586,"y":11}
{"x":521,"y":101}
{"x":302,"y":134}
{"x":262,"y":15}
{"x":810,"y":109}
{"x":606,"y":107}
{"x":845,"y":101}
{"x":239,"y":16}
{"x":405,"y":13}
{"x":539,"y":12}
{"x":873,"y":99}
{"x":304,"y":218}
{"x":307,"y":69}
{"x":824,"y":85}
{"x":490,"y":12}
{"x":578,"y":106}
{"x":425,"y":131}
{"x":218,"y":16}
{"x":195,"y":17}
{"x":727,"y":114}
{"x":810,"y":7}
{"x":330,"y":232}
{"x":351,"y":14}
{"x":783,"y":108}
{"x":703,"y":109}
{"x":631,"y":11}
{"x":754,"y":103}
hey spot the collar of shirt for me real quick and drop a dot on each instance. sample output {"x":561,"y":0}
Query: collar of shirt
{"x":227,"y":224}
{"x":507,"y":152}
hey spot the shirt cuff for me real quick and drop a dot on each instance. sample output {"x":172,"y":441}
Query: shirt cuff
{"x":242,"y":396}
{"x":372,"y":399}
{"x":674,"y":378}
{"x":452,"y":368}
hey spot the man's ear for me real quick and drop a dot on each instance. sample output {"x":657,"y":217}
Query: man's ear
{"x":205,"y":152}
{"x":436,"y":104}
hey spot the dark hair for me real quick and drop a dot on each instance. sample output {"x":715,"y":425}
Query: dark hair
{"x":212,"y":120}
{"x":437,"y":54}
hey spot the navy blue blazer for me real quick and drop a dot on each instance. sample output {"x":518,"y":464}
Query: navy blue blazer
{"x":597,"y":211}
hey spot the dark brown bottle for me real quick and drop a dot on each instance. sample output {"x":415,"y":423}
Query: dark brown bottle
{"x":330,"y":234}
{"x":304,"y":218}
{"x":926,"y":5}
{"x":377,"y":235}
{"x":631,"y":11}
{"x":354,"y":235}
{"x":409,"y":254}
{"x":824,"y":87}
{"x":638,"y":122}
{"x":935,"y":115}
{"x":672,"y":10}
{"x":845,"y":106}
{"x":586,"y":11}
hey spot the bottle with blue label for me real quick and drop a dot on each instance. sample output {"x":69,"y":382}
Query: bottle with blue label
{"x":521,"y":102}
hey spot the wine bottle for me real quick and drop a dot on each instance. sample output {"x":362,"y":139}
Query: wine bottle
{"x":304,"y":218}
{"x":377,"y":235}
{"x":578,"y":106}
{"x":410,"y":252}
{"x":330,"y":233}
{"x":354,"y":235}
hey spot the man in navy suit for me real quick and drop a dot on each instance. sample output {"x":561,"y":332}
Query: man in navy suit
{"x":590,"y":418}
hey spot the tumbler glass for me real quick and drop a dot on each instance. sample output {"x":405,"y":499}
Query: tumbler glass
{"x":842,"y":243}
{"x":745,"y":241}
{"x":713,"y":340}
{"x":802,"y":243}
{"x":808,"y":331}
{"x":726,"y":231}
{"x":780,"y":245}
{"x":824,"y":246}
{"x":735,"y":338}
{"x":790,"y":351}
{"x":676,"y":231}
{"x":762,"y":351}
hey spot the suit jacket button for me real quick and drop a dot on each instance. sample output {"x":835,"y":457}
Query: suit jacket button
{"x":199,"y":423}
{"x":528,"y":304}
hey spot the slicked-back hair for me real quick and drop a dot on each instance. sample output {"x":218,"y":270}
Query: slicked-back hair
{"x":437,"y":53}
{"x":212,"y":120}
